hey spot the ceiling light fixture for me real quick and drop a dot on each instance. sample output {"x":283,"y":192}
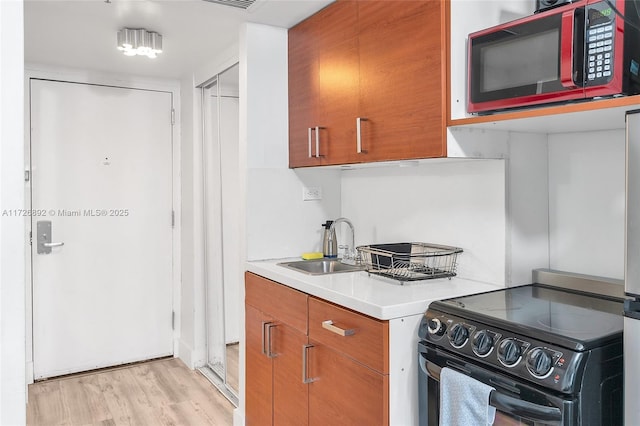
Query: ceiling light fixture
{"x":138,"y":41}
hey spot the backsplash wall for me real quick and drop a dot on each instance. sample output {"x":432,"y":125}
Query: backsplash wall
{"x":459,"y":203}
{"x":587,"y":202}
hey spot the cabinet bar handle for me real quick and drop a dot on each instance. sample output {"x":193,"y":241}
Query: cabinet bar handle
{"x":328,"y":325}
{"x":266,"y":339}
{"x":310,"y":153}
{"x":264,"y":324}
{"x":306,"y":379}
{"x":318,"y":141}
{"x":359,"y":121}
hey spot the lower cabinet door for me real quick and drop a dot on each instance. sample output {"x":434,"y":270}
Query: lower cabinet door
{"x":259,"y":369}
{"x":290,"y":393}
{"x":345,"y":392}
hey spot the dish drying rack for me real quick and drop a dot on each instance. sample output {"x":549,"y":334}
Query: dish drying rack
{"x":410,"y":261}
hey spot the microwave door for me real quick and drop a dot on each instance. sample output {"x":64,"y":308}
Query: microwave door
{"x":533,"y":60}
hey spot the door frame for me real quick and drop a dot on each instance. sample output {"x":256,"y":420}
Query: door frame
{"x":43,"y":72}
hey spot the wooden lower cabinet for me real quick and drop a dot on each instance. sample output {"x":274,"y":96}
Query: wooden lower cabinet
{"x":344,"y":390}
{"x":276,"y":331}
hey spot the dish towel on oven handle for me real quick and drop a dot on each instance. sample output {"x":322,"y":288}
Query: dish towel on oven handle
{"x":464,"y":400}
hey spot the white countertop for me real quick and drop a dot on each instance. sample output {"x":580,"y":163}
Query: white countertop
{"x":371,"y":295}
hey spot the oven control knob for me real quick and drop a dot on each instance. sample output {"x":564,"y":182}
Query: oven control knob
{"x":539,"y":363}
{"x":509,"y":352}
{"x":482,"y":343}
{"x":458,"y":335}
{"x":436,"y":327}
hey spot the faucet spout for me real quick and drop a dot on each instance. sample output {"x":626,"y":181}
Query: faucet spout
{"x":350,"y":256}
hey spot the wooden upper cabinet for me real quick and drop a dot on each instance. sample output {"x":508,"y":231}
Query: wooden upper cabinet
{"x":401,"y":90}
{"x":323,"y":85}
{"x":380,"y":61}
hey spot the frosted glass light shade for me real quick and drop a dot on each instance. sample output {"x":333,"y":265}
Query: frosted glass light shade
{"x":138,"y":41}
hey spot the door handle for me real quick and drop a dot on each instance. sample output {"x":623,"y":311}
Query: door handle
{"x":53,"y":244}
{"x":43,"y":237}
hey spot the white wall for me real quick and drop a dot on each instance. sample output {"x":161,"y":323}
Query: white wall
{"x":459,"y":203}
{"x":587,"y":202}
{"x":565,"y":195}
{"x":279,"y":222}
{"x":468,"y":16}
{"x":192,"y":339}
{"x":12,"y":229}
{"x":528,"y":206}
{"x":526,"y":181}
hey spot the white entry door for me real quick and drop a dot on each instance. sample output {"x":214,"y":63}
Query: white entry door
{"x":101,"y":170}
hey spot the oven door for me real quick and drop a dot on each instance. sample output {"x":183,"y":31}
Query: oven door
{"x":533,"y":60}
{"x":516,"y":402}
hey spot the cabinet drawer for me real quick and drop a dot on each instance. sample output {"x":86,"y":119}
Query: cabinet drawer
{"x":289,"y":306}
{"x":365,"y":339}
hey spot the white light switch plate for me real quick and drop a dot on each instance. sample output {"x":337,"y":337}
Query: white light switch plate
{"x":311,"y":193}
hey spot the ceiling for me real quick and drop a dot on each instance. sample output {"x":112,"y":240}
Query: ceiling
{"x":82,"y":33}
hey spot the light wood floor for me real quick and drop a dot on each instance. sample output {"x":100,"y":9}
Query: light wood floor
{"x":163,"y":392}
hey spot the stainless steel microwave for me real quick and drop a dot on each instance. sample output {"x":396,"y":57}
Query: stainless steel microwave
{"x":575,"y":52}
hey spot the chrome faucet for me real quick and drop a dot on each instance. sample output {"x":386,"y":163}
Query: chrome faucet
{"x":350,"y":255}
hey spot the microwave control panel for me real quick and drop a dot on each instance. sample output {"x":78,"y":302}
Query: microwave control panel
{"x":599,"y":40}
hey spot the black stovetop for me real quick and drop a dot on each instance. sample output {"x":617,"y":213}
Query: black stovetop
{"x":549,"y":314}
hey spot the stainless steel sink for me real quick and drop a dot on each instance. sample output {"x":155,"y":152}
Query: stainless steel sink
{"x":321,"y":266}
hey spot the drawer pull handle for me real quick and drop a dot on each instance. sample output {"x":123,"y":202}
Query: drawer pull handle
{"x":305,"y":355}
{"x":310,"y":152}
{"x":328,"y":325}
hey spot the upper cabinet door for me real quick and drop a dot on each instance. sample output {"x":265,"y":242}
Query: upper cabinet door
{"x":304,"y":87}
{"x":401,"y":79}
{"x":339,"y":82}
{"x":323,"y":86}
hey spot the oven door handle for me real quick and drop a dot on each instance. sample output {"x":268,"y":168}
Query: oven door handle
{"x":524,"y":409}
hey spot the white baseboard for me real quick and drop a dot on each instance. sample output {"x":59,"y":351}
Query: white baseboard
{"x":185,"y":353}
{"x":193,"y":358}
{"x":238,"y":417}
{"x":29,"y":366}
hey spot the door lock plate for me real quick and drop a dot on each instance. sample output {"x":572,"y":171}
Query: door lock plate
{"x":43,"y":236}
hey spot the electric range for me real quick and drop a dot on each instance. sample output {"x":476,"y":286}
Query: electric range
{"x":553,"y":355}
